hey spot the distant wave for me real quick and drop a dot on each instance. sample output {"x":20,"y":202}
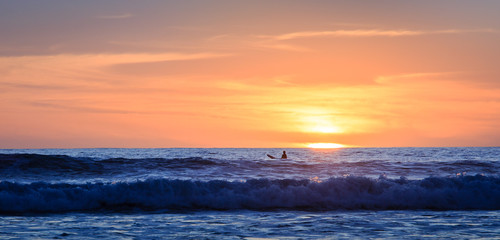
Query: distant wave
{"x":343,"y":193}
{"x":34,"y":163}
{"x":63,"y":165}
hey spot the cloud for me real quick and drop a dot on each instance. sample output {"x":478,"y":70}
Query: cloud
{"x":476,"y":79}
{"x":33,"y":86}
{"x":67,"y":107}
{"x":164,"y":57}
{"x":372,"y":33}
{"x":284,"y":47}
{"x":89,"y":76}
{"x":415,"y":76}
{"x":80,"y":60}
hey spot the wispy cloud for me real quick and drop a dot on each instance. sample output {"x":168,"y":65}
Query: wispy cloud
{"x":64,"y":75}
{"x":34,"y":86}
{"x":414,"y":76}
{"x":476,"y":79}
{"x":278,"y":46}
{"x":163,"y":57}
{"x":372,"y":33}
{"x":67,"y":107}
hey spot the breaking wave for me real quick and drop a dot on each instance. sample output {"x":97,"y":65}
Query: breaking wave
{"x":341,"y":193}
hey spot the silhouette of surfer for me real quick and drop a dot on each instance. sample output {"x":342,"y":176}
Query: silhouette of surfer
{"x":284,"y":155}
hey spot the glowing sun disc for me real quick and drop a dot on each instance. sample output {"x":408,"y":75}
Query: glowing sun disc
{"x":325,"y":145}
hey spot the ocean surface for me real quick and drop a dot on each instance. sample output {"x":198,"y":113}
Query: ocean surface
{"x":212,"y":193}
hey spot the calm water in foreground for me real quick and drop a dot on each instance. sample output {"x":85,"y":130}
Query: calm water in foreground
{"x":358,"y":193}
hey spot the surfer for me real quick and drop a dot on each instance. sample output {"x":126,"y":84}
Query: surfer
{"x":283,"y":156}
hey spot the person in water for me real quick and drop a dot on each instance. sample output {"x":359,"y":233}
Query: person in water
{"x":284,"y":155}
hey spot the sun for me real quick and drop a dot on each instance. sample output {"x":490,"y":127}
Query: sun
{"x":325,"y":145}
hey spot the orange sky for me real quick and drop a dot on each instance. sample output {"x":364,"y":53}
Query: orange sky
{"x":253,"y":74}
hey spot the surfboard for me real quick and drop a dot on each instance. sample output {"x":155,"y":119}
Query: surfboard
{"x":271,"y":157}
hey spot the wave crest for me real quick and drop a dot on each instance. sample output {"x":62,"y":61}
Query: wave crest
{"x":347,"y":193}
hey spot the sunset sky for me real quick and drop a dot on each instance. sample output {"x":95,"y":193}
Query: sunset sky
{"x":266,"y":73}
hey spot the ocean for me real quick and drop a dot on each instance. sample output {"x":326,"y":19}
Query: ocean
{"x":214,"y":193}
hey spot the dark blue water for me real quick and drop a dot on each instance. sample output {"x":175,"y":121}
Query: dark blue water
{"x":240,"y":193}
